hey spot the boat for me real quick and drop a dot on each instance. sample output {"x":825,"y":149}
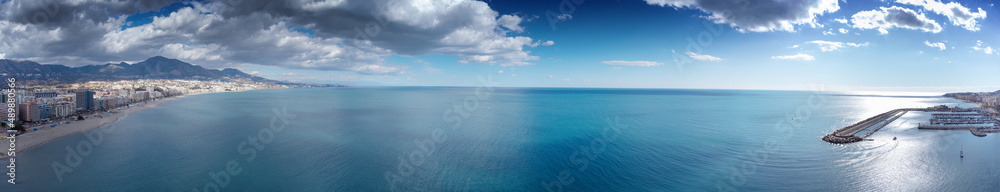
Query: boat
{"x":961,"y":153}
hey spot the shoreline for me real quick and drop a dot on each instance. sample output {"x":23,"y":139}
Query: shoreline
{"x":46,"y":133}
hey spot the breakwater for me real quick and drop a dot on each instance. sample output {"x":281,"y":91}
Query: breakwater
{"x":849,"y":133}
{"x":949,"y":119}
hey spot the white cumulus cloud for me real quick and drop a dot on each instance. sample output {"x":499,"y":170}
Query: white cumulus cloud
{"x":702,"y":57}
{"x":958,"y":15}
{"x":758,"y":16}
{"x":939,"y":45}
{"x":511,"y":22}
{"x":796,"y":57}
{"x":826,"y":46}
{"x":884,"y":19}
{"x":634,"y":63}
{"x":983,"y":47}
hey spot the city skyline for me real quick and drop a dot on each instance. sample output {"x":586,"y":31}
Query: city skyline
{"x":901,"y":45}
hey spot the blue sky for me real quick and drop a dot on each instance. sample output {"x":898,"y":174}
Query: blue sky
{"x":901,"y":45}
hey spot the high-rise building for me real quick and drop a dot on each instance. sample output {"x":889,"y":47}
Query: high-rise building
{"x":44,"y":111}
{"x":63,"y":109}
{"x":85,"y":99}
{"x":28,"y":112}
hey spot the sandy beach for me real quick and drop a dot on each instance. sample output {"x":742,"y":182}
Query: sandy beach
{"x":47,"y":133}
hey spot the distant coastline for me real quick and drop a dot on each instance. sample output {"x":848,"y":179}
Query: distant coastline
{"x":988,"y":101}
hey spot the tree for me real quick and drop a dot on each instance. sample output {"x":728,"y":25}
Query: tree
{"x":18,"y":127}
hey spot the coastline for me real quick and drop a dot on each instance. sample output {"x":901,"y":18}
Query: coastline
{"x":977,"y":104}
{"x":46,"y":133}
{"x":991,"y":111}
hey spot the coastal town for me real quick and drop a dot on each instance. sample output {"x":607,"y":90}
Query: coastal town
{"x":49,"y":105}
{"x":986,"y":100}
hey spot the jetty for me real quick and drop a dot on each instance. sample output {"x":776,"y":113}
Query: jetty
{"x":849,"y":134}
{"x":955,"y":118}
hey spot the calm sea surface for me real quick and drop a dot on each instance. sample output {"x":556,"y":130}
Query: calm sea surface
{"x":514,"y":139}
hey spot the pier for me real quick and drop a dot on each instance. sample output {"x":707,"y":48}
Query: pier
{"x":949,"y":119}
{"x":849,"y":134}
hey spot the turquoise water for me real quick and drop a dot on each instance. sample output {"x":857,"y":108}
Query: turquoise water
{"x":515,"y":139}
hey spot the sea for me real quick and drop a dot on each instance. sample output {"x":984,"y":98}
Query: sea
{"x":514,"y":139}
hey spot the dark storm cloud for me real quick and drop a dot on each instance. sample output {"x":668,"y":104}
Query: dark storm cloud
{"x":349,"y":35}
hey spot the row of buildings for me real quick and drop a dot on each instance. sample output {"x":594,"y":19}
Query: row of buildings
{"x":986,"y":99}
{"x":41,"y":104}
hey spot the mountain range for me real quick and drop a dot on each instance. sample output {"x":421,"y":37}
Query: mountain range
{"x":158,"y":67}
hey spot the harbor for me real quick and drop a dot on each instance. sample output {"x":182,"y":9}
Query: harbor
{"x":975,"y":120}
{"x":978,"y":123}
